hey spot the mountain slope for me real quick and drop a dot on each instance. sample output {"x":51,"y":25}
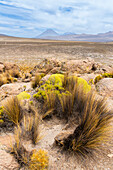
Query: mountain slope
{"x":101,"y":37}
{"x":48,"y":33}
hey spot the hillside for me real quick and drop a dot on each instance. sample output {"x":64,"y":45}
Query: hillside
{"x":101,"y":37}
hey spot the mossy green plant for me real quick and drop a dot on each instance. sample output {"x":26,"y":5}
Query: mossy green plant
{"x":23,"y":95}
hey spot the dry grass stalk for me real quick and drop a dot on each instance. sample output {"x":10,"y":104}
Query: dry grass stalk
{"x":36,"y":81}
{"x":94,"y":128}
{"x":13,"y":109}
{"x":30,"y":128}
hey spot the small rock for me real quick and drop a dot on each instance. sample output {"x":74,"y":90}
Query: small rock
{"x":110,"y":155}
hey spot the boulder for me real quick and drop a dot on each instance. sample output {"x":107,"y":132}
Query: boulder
{"x":7,"y":161}
{"x":80,"y":66}
{"x":55,"y":70}
{"x":102,"y":68}
{"x":59,"y":139}
{"x":45,"y":78}
{"x":1,"y":67}
{"x":7,"y":90}
{"x":88,"y":77}
{"x":105,"y":87}
{"x":10,"y":66}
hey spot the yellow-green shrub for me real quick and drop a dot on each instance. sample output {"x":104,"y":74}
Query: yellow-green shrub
{"x":61,"y":94}
{"x":23,"y":95}
{"x":39,"y":160}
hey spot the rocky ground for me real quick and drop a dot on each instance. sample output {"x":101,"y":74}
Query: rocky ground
{"x":86,"y":68}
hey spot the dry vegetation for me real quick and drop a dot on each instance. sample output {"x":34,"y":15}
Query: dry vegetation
{"x":63,"y":96}
{"x":30,"y":51}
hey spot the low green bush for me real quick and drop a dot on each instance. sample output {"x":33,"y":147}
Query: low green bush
{"x":23,"y":95}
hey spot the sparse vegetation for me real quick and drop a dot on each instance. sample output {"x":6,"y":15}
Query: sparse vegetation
{"x":23,"y":95}
{"x":1,"y":114}
{"x":36,"y":80}
{"x":58,"y":103}
{"x":94,"y":128}
{"x":39,"y":160}
{"x":30,"y":128}
{"x":13,"y":110}
{"x":63,"y":95}
{"x":18,"y":150}
{"x":34,"y":160}
{"x":104,"y":75}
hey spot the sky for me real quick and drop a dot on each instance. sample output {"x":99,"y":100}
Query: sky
{"x":29,"y":18}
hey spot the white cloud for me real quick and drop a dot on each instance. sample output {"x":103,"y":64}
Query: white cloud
{"x":31,"y":17}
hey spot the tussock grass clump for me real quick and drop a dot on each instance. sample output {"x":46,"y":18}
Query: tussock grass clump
{"x":34,"y":160}
{"x":18,"y":150}
{"x":30,"y":128}
{"x":36,"y":80}
{"x":13,"y":110}
{"x":67,"y":99}
{"x":63,"y":94}
{"x":93,"y":129}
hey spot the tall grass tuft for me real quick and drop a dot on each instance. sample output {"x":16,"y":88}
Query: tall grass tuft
{"x":34,"y":160}
{"x":71,"y":98}
{"x":36,"y":80}
{"x":94,"y":128}
{"x":12,"y":108}
{"x":18,"y":150}
{"x":30,"y":128}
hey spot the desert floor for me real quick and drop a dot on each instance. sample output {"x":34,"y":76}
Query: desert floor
{"x":31,"y":51}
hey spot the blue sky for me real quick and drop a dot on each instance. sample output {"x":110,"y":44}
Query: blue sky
{"x":29,"y":18}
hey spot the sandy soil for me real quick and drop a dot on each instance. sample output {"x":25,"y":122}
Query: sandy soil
{"x":30,"y":51}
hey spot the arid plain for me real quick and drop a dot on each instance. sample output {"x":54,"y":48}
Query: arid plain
{"x":31,"y":51}
{"x":42,"y":64}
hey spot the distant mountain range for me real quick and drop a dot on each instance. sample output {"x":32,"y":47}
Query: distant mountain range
{"x":48,"y":33}
{"x":3,"y":35}
{"x":68,"y":36}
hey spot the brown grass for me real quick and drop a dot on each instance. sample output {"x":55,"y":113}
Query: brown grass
{"x":30,"y":129}
{"x":94,"y":128}
{"x":13,"y":109}
{"x":35,"y":81}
